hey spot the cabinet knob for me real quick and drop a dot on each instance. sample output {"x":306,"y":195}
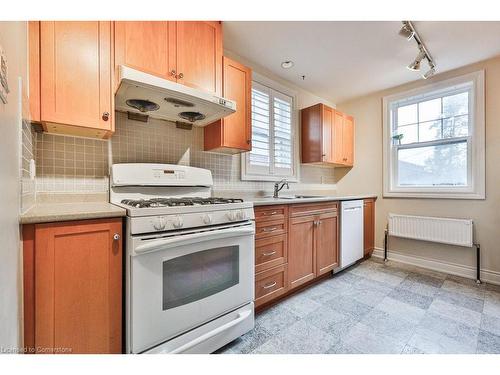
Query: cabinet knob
{"x":172,"y":72}
{"x":248,"y":141}
{"x":181,"y":75}
{"x":105,"y":116}
{"x":116,"y":237}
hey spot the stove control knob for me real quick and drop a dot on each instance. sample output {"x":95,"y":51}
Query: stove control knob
{"x":159,"y":223}
{"x":177,"y":222}
{"x":231,"y":215}
{"x":242,"y":215}
{"x":207,"y":219}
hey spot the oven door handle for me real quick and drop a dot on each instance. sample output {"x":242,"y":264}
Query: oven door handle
{"x":241,"y":316}
{"x":188,"y":239}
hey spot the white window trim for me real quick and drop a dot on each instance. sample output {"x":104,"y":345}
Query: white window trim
{"x":246,"y":175}
{"x":477,"y":146}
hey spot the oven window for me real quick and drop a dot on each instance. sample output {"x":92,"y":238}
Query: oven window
{"x":195,"y":276}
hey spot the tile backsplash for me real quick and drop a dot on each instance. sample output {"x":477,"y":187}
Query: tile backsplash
{"x":72,"y":164}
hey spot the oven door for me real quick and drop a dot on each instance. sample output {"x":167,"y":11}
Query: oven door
{"x":182,"y":281}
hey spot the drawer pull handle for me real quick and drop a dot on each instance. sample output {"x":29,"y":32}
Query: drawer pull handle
{"x":269,"y":229}
{"x":268,"y":286}
{"x":268,"y":254}
{"x":270,"y":213}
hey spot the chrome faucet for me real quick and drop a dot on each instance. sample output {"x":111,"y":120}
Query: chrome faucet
{"x":277,"y":187}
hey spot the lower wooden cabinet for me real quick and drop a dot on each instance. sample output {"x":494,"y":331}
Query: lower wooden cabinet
{"x":313,"y":248}
{"x":327,"y":256}
{"x":73,"y":286}
{"x":302,"y":261}
{"x":270,"y":284}
{"x":369,"y":226}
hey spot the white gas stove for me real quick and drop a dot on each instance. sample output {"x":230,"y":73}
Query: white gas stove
{"x":189,"y":259}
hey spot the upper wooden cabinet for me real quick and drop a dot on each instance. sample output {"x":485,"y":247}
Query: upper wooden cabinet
{"x":327,"y":136}
{"x":149,"y":46}
{"x":73,"y":286}
{"x":233,"y":134}
{"x":34,"y":69}
{"x":188,"y":52}
{"x":75,"y":78}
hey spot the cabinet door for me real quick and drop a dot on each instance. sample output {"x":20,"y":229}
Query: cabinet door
{"x":348,"y":140}
{"x":237,"y":80}
{"x":148,"y":46}
{"x":369,"y":226}
{"x":327,"y":116}
{"x":75,"y":59}
{"x":34,"y":69}
{"x":337,"y":135}
{"x":199,"y":55}
{"x":326,"y":243}
{"x":301,"y":257}
{"x":234,"y":132}
{"x":78,"y":287}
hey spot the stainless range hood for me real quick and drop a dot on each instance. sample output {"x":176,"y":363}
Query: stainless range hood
{"x":160,"y":98}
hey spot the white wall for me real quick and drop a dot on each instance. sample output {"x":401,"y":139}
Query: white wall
{"x":13,"y":39}
{"x":366,"y":177}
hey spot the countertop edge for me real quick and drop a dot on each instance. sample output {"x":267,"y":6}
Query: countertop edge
{"x":32,"y":217}
{"x":272,"y":201}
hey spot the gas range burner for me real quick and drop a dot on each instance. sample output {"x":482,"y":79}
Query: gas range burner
{"x":176,"y":202}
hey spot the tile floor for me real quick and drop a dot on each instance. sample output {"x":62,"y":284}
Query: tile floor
{"x":380,"y":308}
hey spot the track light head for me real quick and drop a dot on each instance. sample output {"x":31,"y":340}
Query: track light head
{"x":406,"y":30}
{"x":429,"y":73}
{"x":415,"y":65}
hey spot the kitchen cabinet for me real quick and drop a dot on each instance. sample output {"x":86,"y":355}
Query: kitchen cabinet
{"x":148,"y":46}
{"x":233,"y":134}
{"x":75,"y":78}
{"x":313,"y":239}
{"x":344,"y":142}
{"x":327,"y":136}
{"x":73,"y":286}
{"x":187,"y":52}
{"x":34,"y":70}
{"x":302,"y":265}
{"x":369,"y":226}
{"x":271,"y":253}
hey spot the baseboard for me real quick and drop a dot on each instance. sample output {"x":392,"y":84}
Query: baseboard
{"x":469,"y":272}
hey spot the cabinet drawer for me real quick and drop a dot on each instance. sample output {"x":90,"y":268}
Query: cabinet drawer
{"x":271,"y":213}
{"x":313,"y":209}
{"x":270,"y":284}
{"x":270,"y":228}
{"x":270,"y":252}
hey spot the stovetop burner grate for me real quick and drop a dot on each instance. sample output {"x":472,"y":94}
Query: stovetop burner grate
{"x":176,"y":202}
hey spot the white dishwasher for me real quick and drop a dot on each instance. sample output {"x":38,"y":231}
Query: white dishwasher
{"x":351,"y":232}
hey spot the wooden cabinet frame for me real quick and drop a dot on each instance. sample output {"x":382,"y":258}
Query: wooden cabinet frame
{"x":42,"y":304}
{"x":327,"y":136}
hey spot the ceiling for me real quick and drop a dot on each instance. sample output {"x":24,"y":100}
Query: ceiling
{"x":346,"y":59}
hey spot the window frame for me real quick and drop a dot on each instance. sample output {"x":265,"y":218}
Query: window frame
{"x":256,"y":173}
{"x":475,"y":140}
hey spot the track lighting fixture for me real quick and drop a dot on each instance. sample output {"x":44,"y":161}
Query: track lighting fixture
{"x":429,"y":73}
{"x":409,"y":32}
{"x":415,"y":65}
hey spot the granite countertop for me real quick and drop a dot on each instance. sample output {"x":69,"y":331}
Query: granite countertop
{"x":265,"y":201}
{"x":67,"y":209}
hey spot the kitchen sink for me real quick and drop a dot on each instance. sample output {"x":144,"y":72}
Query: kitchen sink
{"x":295,"y":196}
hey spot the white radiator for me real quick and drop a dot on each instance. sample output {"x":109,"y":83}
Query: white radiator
{"x":433,"y":229}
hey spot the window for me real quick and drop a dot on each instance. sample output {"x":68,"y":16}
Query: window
{"x":273,"y":153}
{"x":434,"y":140}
